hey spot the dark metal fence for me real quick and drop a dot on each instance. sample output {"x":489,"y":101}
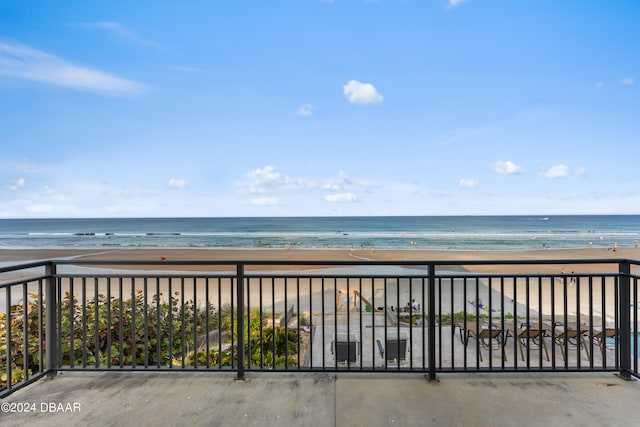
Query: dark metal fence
{"x":364,"y":316}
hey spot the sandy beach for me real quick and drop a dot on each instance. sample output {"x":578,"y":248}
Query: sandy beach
{"x":273,"y":294}
{"x":175,"y":254}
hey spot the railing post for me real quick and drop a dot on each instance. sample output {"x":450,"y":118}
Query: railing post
{"x":240,"y":318}
{"x":624,"y":333}
{"x":432,"y":323}
{"x":51,"y":339}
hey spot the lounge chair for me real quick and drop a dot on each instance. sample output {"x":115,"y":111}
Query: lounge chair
{"x":570,"y":335}
{"x":345,"y":348}
{"x":487,"y":335}
{"x":396,"y":347}
{"x":600,"y":337}
{"x":527,"y":335}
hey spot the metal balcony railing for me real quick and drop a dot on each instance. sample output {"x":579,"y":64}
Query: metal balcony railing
{"x":356,"y":316}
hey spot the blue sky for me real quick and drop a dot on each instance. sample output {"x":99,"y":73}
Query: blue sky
{"x":311,"y":107}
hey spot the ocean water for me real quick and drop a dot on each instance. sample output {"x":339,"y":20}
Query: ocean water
{"x":416,"y":232}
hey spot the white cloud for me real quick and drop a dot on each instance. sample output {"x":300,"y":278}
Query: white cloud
{"x":628,"y":81}
{"x":121,"y":32}
{"x":267,"y":181}
{"x":23,"y":62}
{"x":581,"y":171}
{"x":342,"y":183}
{"x":16,"y":184}
{"x":454,"y":3}
{"x":599,"y":85}
{"x":265,"y":201}
{"x":341,"y":198}
{"x":306,"y":110}
{"x":338,"y":183}
{"x":265,"y":177}
{"x":361,"y":93}
{"x":468,"y":183}
{"x":178,"y":183}
{"x":556,"y":171}
{"x":331,"y":187}
{"x":506,"y":168}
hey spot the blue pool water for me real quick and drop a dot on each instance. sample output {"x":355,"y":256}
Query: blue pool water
{"x":635,"y":344}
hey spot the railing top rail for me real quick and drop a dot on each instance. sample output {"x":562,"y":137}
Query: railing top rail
{"x":22,"y":281}
{"x":24,"y":266}
{"x":441,"y":262}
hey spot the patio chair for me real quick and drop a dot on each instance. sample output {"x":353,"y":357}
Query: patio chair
{"x":528,"y":335}
{"x":345,"y":348}
{"x":461,"y":325}
{"x":487,"y":335}
{"x":600,"y":337}
{"x":396,"y":346}
{"x":570,"y":335}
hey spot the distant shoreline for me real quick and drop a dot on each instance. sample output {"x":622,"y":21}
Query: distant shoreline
{"x":272,"y":254}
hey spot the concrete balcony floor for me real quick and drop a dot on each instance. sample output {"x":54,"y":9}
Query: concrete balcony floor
{"x":343,"y":399}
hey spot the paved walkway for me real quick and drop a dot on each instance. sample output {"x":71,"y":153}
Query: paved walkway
{"x":349,"y":399}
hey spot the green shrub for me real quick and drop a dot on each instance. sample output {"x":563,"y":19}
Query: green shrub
{"x":115,"y":333}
